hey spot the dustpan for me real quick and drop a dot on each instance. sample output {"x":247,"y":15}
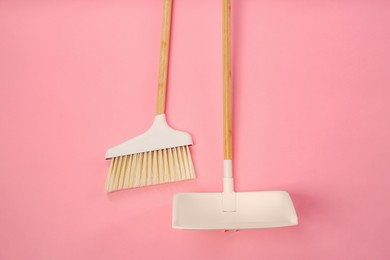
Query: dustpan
{"x":233,"y":210}
{"x":230,"y":210}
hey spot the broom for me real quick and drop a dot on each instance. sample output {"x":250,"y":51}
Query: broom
{"x":161,"y":154}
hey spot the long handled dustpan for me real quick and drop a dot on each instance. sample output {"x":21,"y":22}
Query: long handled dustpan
{"x":229,"y":210}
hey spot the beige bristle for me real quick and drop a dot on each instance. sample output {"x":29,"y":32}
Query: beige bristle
{"x":150,"y":168}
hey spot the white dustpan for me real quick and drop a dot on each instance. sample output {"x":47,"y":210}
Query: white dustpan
{"x":233,"y":211}
{"x":229,"y":210}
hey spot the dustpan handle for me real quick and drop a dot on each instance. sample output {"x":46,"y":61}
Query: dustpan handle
{"x":227,"y":88}
{"x":164,"y":56}
{"x":228,"y":184}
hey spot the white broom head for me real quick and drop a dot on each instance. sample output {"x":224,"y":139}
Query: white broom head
{"x":160,"y":155}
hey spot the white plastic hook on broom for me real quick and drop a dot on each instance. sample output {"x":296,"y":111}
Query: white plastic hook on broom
{"x":230,"y":210}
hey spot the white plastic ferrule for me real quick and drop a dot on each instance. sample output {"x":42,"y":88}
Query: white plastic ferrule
{"x":228,"y":168}
{"x":228,"y":184}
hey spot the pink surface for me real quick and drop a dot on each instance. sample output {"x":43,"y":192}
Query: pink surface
{"x":311,"y":85}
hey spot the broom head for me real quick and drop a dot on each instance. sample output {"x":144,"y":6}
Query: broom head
{"x":160,"y":155}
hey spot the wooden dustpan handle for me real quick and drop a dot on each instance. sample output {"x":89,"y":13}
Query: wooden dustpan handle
{"x":227,"y":88}
{"x":164,"y":56}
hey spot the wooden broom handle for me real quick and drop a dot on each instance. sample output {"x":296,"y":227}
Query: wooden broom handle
{"x":164,"y":56}
{"x":227,"y":88}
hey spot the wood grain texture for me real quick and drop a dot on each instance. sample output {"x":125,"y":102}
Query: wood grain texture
{"x":164,"y":57}
{"x":227,"y":100}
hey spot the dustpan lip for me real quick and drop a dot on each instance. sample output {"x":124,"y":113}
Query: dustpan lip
{"x":292,"y":224}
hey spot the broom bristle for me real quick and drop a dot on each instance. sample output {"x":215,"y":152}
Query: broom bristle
{"x":150,"y":168}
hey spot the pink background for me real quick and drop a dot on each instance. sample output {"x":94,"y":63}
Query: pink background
{"x":311,"y":116}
